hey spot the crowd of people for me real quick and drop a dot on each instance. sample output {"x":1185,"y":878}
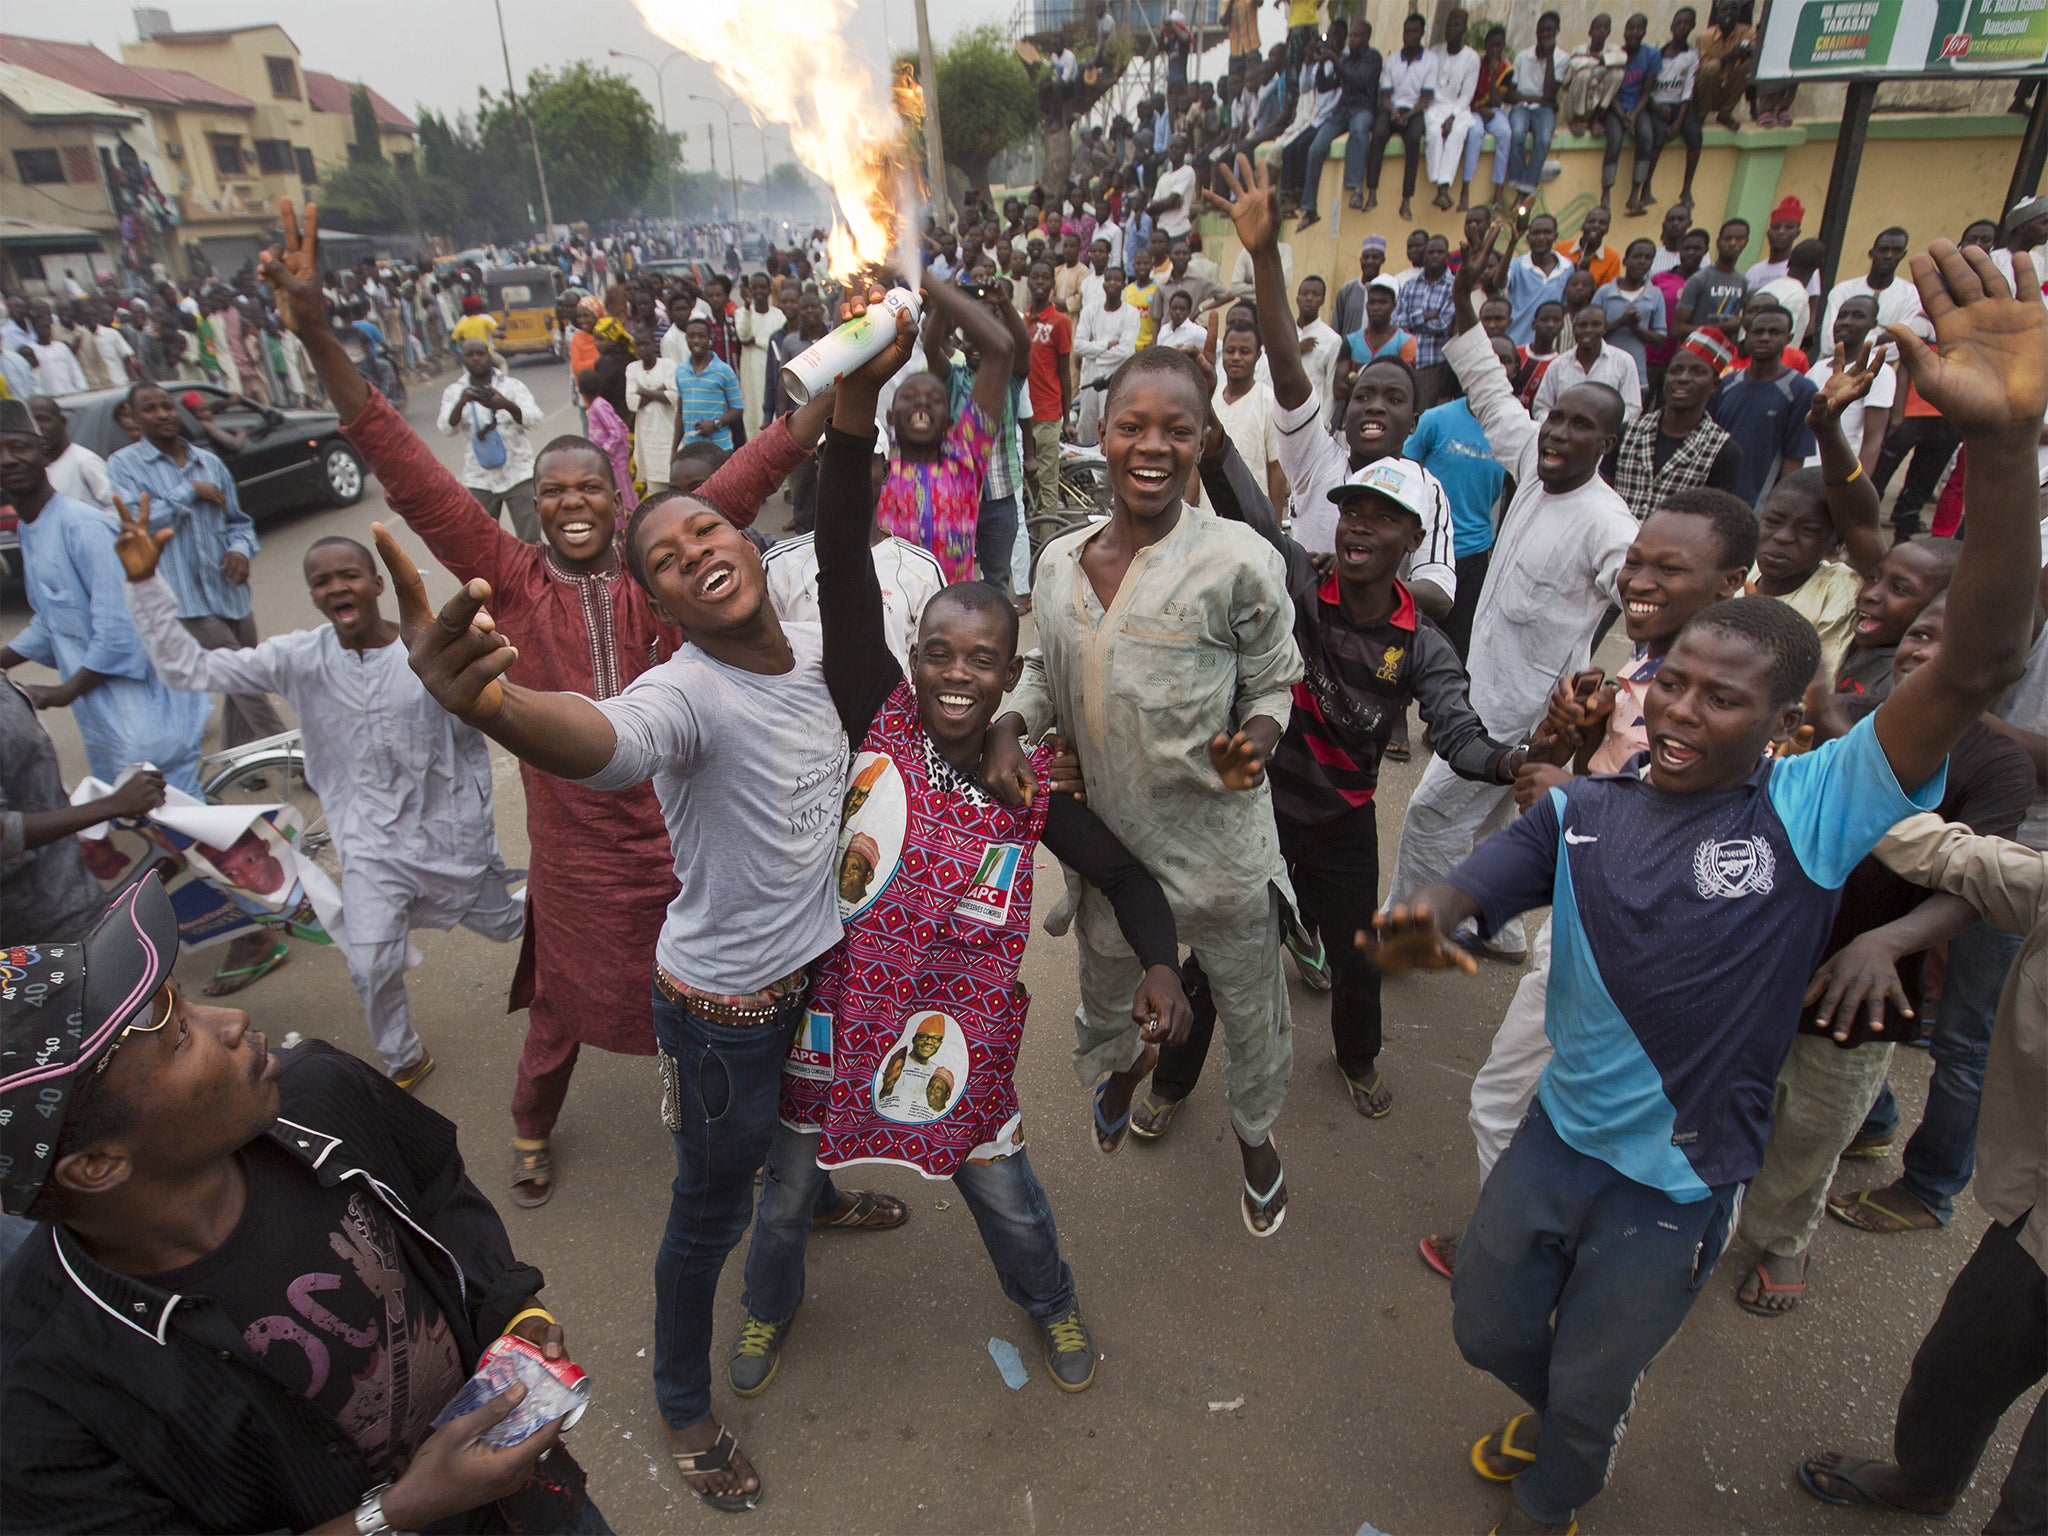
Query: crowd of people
{"x":804,"y":783}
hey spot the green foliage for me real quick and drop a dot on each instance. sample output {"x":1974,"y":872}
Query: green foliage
{"x":986,"y":100}
{"x":368,"y":148}
{"x":368,"y":195}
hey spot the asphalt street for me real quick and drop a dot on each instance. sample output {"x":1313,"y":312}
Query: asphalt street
{"x":1307,"y":1383}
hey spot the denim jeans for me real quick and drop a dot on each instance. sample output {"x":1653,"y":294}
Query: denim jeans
{"x":1358,"y":131}
{"x":728,"y":1080}
{"x":1006,"y":1199}
{"x":1942,"y":1155}
{"x":995,"y":531}
{"x":1571,"y":1278}
{"x":1525,"y":169}
{"x":1318,"y":157}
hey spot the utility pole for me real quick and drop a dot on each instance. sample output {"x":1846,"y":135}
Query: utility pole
{"x":661,"y":98}
{"x":934,"y":142}
{"x":711,"y":141}
{"x":732,"y":148}
{"x":547,"y":209}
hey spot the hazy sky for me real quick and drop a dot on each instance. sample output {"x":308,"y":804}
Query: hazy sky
{"x":436,"y":53}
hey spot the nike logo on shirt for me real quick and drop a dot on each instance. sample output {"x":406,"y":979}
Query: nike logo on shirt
{"x":1574,"y":839}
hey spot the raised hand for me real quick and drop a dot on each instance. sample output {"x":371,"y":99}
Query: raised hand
{"x":1253,"y":206}
{"x":1989,"y":375}
{"x":458,"y":653}
{"x":294,"y":272}
{"x":139,"y":549}
{"x":1850,"y":381}
{"x":1472,"y":267}
{"x":1238,"y":761}
{"x":1407,"y":939}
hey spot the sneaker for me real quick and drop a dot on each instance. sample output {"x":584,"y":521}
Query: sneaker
{"x":1069,"y":1352}
{"x":411,"y":1077}
{"x":756,"y":1355}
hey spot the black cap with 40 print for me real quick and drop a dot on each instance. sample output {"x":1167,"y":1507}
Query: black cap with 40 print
{"x":63,"y":1007}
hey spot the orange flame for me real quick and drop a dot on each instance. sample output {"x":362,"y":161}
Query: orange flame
{"x":841,"y":122}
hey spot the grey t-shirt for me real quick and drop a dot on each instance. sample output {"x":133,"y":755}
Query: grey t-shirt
{"x":750,"y":770}
{"x":1711,"y":297}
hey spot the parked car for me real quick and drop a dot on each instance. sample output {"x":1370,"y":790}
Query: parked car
{"x":292,"y":458}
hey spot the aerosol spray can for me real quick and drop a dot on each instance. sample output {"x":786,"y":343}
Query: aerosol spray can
{"x":832,"y":357}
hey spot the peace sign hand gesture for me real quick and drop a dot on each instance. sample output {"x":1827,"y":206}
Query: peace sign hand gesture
{"x":294,"y":272}
{"x":458,"y":653}
{"x":1990,"y":376}
{"x":139,"y":549}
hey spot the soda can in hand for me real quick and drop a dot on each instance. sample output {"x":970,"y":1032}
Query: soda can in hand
{"x":555,"y":1389}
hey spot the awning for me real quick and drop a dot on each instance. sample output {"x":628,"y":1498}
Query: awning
{"x":31,"y":235}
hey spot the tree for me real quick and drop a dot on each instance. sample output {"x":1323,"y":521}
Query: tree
{"x":786,"y":188}
{"x":1057,"y":114}
{"x":986,"y":103}
{"x":599,"y":140}
{"x":368,"y":195}
{"x":368,"y":148}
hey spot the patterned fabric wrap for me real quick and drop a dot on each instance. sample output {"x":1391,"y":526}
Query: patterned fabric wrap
{"x":908,"y":1049}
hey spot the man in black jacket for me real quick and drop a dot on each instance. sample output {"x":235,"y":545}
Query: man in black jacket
{"x":263,"y":1274}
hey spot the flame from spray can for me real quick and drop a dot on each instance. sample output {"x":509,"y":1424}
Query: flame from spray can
{"x":841,"y":121}
{"x":837,"y":353}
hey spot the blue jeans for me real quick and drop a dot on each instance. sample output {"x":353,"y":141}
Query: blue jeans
{"x":1942,"y":1155}
{"x":1006,"y":1199}
{"x":1358,"y":136}
{"x":994,"y":532}
{"x":728,"y":1079}
{"x":1570,"y":1279}
{"x":1525,"y":170}
{"x":1319,"y":156}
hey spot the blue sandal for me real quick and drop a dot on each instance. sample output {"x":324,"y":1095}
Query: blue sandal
{"x":1105,"y":1130}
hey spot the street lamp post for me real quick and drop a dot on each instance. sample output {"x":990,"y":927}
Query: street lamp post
{"x":732,"y":161}
{"x":661,"y":98}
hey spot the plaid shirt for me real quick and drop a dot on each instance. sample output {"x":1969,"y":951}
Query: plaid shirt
{"x":1421,"y":299}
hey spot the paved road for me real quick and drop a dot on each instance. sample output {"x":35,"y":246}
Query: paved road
{"x":1332,"y":1340}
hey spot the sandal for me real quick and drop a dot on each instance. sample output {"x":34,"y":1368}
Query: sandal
{"x":1440,"y":1254}
{"x":1871,"y":1215}
{"x":1152,"y":1116}
{"x":1845,"y":1471}
{"x":1252,"y":1203}
{"x":1765,"y":1287}
{"x":1374,"y":1100}
{"x":227,"y":982}
{"x":1506,"y":1449}
{"x":533,"y":1176}
{"x":717,"y":1457}
{"x":870,"y":1212}
{"x":1107,"y":1131}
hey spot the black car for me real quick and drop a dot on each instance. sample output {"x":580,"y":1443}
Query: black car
{"x":291,"y":458}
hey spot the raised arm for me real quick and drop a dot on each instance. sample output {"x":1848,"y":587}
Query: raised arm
{"x":417,"y":485}
{"x":178,"y":658}
{"x":1852,"y":499}
{"x":992,"y":336}
{"x":1990,"y":379}
{"x":1509,"y":431}
{"x":1254,"y":208}
{"x":860,"y":670}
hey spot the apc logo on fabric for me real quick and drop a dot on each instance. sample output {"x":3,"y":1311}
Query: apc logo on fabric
{"x":1736,"y":866}
{"x":988,"y":894}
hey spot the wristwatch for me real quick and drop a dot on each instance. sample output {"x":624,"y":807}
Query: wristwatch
{"x":1511,"y":763}
{"x":370,"y":1519}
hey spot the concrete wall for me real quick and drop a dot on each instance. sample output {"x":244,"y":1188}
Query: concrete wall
{"x":1932,"y":174}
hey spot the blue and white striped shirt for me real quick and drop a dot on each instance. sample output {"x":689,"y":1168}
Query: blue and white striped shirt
{"x":703,"y":396}
{"x":205,"y":532}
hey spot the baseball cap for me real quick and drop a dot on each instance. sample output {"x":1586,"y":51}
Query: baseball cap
{"x":1401,"y":481}
{"x":1384,"y":282}
{"x":63,"y":1009}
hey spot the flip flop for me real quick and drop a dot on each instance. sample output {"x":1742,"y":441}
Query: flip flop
{"x":1112,"y":1132}
{"x":861,"y":1218}
{"x":1440,"y":1254}
{"x":1507,"y":1449}
{"x":243,"y":975}
{"x":1361,"y":1095}
{"x":1868,"y":1215}
{"x":717,"y":1457}
{"x":1253,"y":1203}
{"x":1158,"y":1115}
{"x":1570,"y":1530}
{"x":1765,"y":1287}
{"x":1846,"y":1472}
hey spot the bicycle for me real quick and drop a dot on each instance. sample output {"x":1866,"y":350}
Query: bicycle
{"x":272,"y":771}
